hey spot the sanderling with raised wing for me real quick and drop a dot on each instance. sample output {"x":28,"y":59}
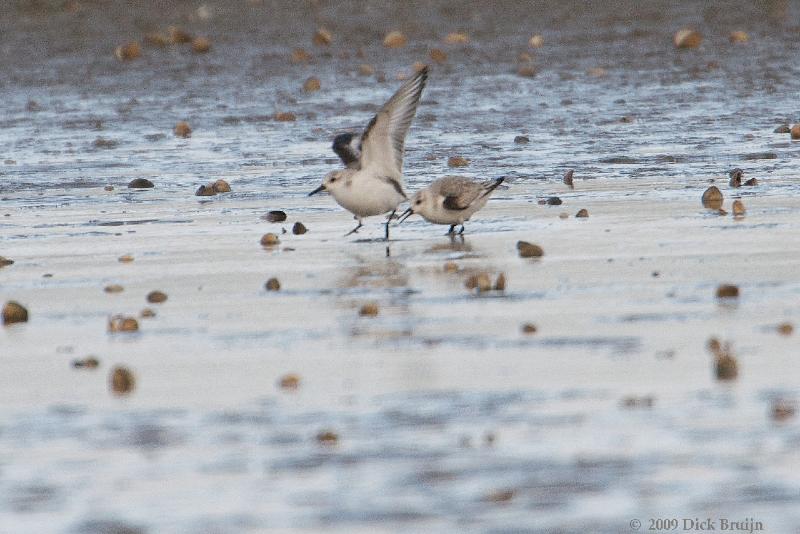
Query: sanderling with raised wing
{"x":372,"y":182}
{"x":451,"y":200}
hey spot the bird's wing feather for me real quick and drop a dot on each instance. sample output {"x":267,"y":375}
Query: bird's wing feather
{"x":346,"y":146}
{"x":383,"y":141}
{"x":459,"y":193}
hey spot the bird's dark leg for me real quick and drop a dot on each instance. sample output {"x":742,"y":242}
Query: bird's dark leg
{"x":460,"y":232}
{"x":451,"y":231}
{"x":354,"y":230}
{"x":388,"y":220}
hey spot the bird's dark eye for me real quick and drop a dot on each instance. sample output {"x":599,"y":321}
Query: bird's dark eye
{"x":333,"y":180}
{"x":418,"y":202}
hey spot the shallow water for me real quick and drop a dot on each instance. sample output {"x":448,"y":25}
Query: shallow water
{"x":449,"y":418}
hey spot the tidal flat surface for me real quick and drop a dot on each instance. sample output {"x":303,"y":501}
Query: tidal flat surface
{"x":447,"y":416}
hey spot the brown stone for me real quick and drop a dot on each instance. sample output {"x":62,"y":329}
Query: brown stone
{"x":738,"y":37}
{"x":275,"y":216}
{"x":290,"y":381}
{"x":522,"y":140}
{"x":140,"y":183}
{"x":785,"y":329}
{"x":752,"y":182}
{"x":451,"y":267}
{"x":500,"y":283}
{"x":687,"y":38}
{"x":457,"y":161}
{"x":529,"y":250}
{"x":128,"y":51}
{"x":5,"y":261}
{"x":14,"y":312}
{"x":322,"y":37}
{"x":285,"y":116}
{"x":272,"y":285}
{"x":201,"y":45}
{"x":536,"y":41}
{"x":479,"y":281}
{"x":394,"y":39}
{"x":782,"y":410}
{"x":122,"y":381}
{"x":526,"y":71}
{"x":457,"y":38}
{"x":90,"y":362}
{"x":300,"y":56}
{"x":147,"y":313}
{"x":727,"y":291}
{"x":738,"y":208}
{"x":529,"y":328}
{"x":499,"y":496}
{"x":327,"y":437}
{"x":712,"y":198}
{"x":125,"y":258}
{"x":583,"y":212}
{"x":312,"y":84}
{"x":795,"y":131}
{"x":114,"y":288}
{"x":437,"y":55}
{"x":156,"y":297}
{"x":299,"y":228}
{"x":221,"y":186}
{"x":568,"y":179}
{"x":206,"y":191}
{"x":178,"y":35}
{"x":120,"y":323}
{"x":735,"y":178}
{"x":182,"y":129}
{"x":269,"y":239}
{"x":366,"y":70}
{"x":157,"y":39}
{"x":369,"y":309}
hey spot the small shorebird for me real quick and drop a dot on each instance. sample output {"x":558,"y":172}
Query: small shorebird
{"x":451,"y":200}
{"x":372,"y":182}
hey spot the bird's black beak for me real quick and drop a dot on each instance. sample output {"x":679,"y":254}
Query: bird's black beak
{"x":317,"y":190}
{"x":405,"y":215}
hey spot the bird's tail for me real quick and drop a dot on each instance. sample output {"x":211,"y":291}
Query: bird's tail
{"x":491,"y":186}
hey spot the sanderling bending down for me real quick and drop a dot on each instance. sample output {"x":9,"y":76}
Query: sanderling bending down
{"x":372,"y":182}
{"x":451,"y":200}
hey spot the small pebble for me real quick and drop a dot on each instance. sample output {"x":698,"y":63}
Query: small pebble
{"x":553,"y":201}
{"x":5,"y":261}
{"x":205,"y":191}
{"x":120,"y":323}
{"x":638,"y":402}
{"x":122,"y":381}
{"x":275,"y":216}
{"x":299,"y":228}
{"x":451,"y":267}
{"x":327,"y":437}
{"x":563,"y":215}
{"x":156,"y":297}
{"x":157,"y":39}
{"x":782,"y":129}
{"x":114,"y":288}
{"x":201,"y":45}
{"x":366,"y":70}
{"x":369,"y":309}
{"x":568,"y":179}
{"x":727,"y":291}
{"x":272,"y":285}
{"x":785,"y":329}
{"x":479,"y":281}
{"x":687,"y":38}
{"x":529,"y":328}
{"x":285,"y":116}
{"x":499,"y":496}
{"x":795,"y":131}
{"x":738,"y":37}
{"x":125,"y":258}
{"x":712,"y":198}
{"x":289,"y":381}
{"x":522,"y":140}
{"x":598,"y":72}
{"x":457,"y":161}
{"x":583,"y":212}
{"x":394,"y":39}
{"x":182,"y":129}
{"x":140,"y":183}
{"x":221,"y":186}
{"x":322,"y":37}
{"x":735,"y":178}
{"x":437,"y":55}
{"x":300,"y":56}
{"x":89,"y":362}
{"x":781,"y":410}
{"x":14,"y":312}
{"x":128,"y":51}
{"x":147,"y":313}
{"x":312,"y":84}
{"x":178,"y":35}
{"x":526,"y":71}
{"x":269,"y":239}
{"x":752,"y":182}
{"x":536,"y":41}
{"x":500,"y":283}
{"x":457,"y":38}
{"x":529,"y":250}
{"x":108,"y":188}
{"x":738,"y":209}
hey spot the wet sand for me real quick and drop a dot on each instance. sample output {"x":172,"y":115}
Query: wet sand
{"x":448,"y":416}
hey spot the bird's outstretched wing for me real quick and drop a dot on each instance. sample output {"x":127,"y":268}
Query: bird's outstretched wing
{"x":346,"y":146}
{"x":383,"y":141}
